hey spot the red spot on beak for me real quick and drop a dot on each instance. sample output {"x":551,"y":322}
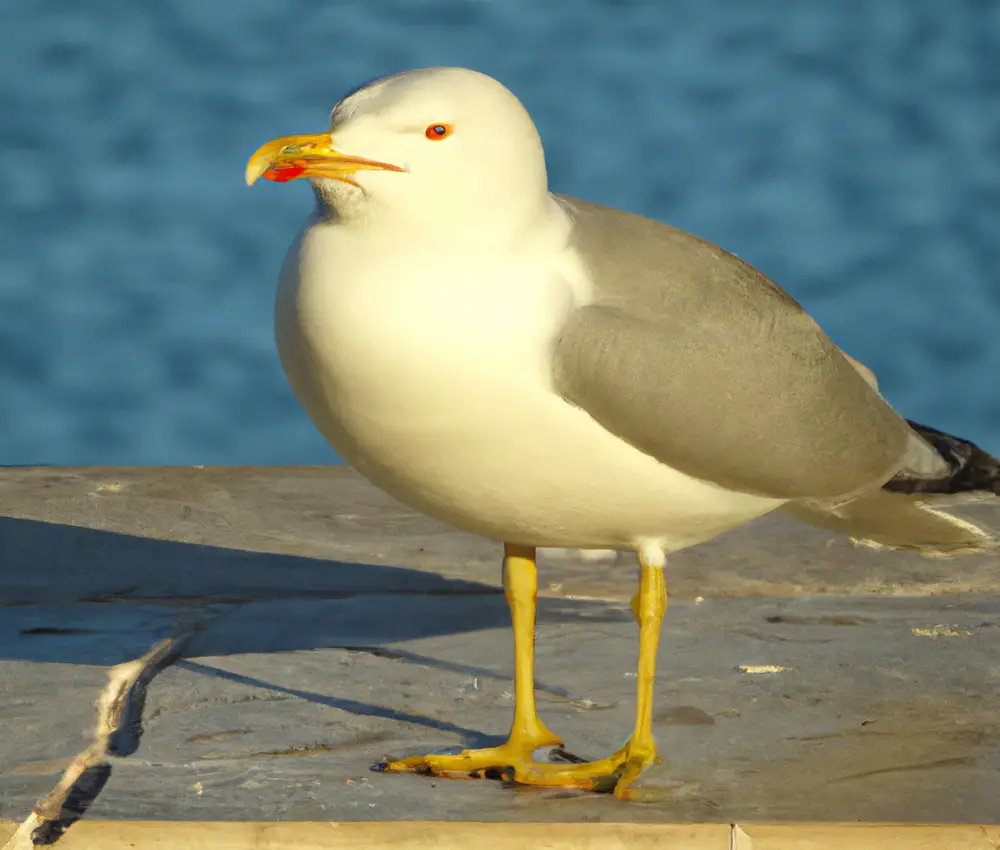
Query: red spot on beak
{"x":284,"y":173}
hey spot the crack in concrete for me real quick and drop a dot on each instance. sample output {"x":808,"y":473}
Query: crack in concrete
{"x":116,"y":733}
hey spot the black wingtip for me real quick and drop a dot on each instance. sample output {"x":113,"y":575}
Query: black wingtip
{"x":970,"y":469}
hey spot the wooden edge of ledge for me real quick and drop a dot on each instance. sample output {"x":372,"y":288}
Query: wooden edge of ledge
{"x":451,"y":835}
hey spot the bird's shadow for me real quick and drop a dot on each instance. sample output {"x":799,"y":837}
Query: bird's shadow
{"x":74,"y":595}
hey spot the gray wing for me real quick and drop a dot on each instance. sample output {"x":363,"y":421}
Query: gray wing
{"x":694,"y":357}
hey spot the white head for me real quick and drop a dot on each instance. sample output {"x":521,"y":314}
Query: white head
{"x":424,"y":150}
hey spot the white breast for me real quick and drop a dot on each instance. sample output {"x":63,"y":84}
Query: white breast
{"x":429,"y":373}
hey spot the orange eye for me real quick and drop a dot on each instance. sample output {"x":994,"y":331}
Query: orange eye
{"x":437,"y":132}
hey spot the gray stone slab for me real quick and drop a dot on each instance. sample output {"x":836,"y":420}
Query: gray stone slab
{"x":320,"y":653}
{"x":68,"y":533}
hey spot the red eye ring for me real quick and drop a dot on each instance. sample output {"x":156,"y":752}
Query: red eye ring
{"x":436,"y":132}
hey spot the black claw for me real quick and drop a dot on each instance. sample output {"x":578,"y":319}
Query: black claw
{"x":506,"y":775}
{"x":559,"y":752}
{"x":379,"y":766}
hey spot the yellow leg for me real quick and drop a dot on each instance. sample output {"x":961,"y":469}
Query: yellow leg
{"x":624,"y":765}
{"x":618,"y":770}
{"x":527,"y":732}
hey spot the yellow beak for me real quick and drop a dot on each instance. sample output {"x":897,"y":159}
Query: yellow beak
{"x":307,"y":156}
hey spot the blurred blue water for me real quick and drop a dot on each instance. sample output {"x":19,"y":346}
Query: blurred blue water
{"x":851,"y":150}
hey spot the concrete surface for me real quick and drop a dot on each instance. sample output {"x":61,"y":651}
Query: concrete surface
{"x":339,"y":626}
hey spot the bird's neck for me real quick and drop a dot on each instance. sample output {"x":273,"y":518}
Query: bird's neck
{"x":478,"y":226}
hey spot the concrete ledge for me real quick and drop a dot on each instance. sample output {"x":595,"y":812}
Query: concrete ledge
{"x":440,"y":835}
{"x":54,"y":516}
{"x":299,"y":625}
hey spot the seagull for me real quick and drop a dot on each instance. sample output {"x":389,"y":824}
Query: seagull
{"x":547,"y":372}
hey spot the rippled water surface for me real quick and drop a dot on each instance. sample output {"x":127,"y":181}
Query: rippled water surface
{"x":851,"y":150}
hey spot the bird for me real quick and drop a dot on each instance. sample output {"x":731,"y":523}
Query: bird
{"x":548,"y":372}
